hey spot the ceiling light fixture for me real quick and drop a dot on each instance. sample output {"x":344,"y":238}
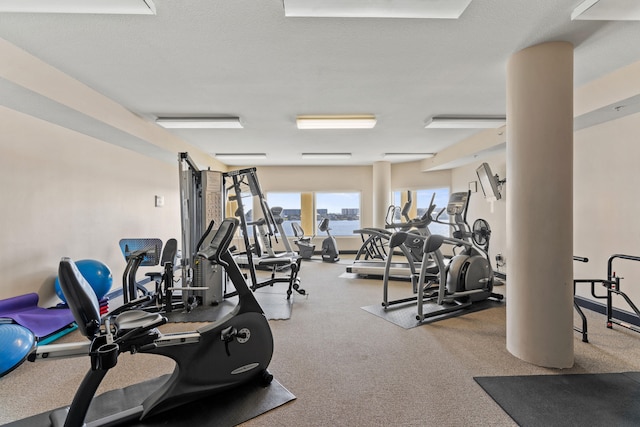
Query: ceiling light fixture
{"x":358,"y":121}
{"x":405,"y":155}
{"x":240,"y":156}
{"x":326,"y":156}
{"x":607,"y":10}
{"x":474,"y":122}
{"x":450,"y":9}
{"x":199,"y":122}
{"x":116,"y":7}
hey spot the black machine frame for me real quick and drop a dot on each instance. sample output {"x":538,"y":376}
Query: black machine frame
{"x":248,"y":177}
{"x":612,"y":287}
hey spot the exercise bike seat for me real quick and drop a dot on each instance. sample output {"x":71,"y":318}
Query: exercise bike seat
{"x":85,"y":307}
{"x":298,"y":233}
{"x":135,"y":319}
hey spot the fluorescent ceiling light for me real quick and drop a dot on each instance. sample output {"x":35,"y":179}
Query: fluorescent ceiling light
{"x":465,"y":122}
{"x":443,"y":9}
{"x":129,"y":7}
{"x":362,"y":121}
{"x":200,"y":123}
{"x":607,"y":10}
{"x":326,"y":156}
{"x":407,"y":155}
{"x":240,"y":156}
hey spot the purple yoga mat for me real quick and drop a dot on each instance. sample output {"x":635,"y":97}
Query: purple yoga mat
{"x":24,"y":311}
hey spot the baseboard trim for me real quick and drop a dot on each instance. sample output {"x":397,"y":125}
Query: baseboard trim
{"x":623,"y":315}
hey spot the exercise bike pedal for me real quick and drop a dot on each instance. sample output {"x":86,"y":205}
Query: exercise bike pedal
{"x":266,"y":378}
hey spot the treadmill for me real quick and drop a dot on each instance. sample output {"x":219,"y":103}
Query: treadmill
{"x":374,"y":262}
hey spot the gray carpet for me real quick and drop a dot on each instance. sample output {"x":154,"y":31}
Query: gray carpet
{"x":568,"y":400}
{"x":346,"y":367}
{"x":223,"y":409}
{"x":404,"y":315}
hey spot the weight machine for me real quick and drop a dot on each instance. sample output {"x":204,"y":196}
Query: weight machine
{"x":246,"y":180}
{"x":201,"y":203}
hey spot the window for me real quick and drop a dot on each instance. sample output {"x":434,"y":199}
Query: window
{"x":441,"y":199}
{"x":421,"y":200}
{"x":291,"y":209}
{"x":342,"y":210}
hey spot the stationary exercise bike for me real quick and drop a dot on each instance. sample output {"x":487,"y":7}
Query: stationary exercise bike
{"x":224,"y":354}
{"x":330,"y":251}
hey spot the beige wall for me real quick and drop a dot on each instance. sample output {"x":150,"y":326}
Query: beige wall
{"x":409,"y":176}
{"x":66,"y":194}
{"x":606,"y":203}
{"x":494,"y":213}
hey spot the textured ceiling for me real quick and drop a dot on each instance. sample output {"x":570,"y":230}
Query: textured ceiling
{"x":245,"y":58}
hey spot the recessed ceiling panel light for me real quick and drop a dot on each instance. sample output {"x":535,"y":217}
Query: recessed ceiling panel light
{"x":326,"y":156}
{"x":407,"y":155}
{"x":449,"y":9}
{"x":126,"y":7}
{"x":607,"y":10}
{"x":240,"y":156}
{"x":361,"y":121}
{"x":477,"y":122}
{"x":199,"y":122}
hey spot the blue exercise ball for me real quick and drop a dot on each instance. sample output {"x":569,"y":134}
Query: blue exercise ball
{"x":17,"y":342}
{"x":96,"y":273}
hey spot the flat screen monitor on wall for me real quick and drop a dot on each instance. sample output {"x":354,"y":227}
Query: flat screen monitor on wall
{"x":488,"y":182}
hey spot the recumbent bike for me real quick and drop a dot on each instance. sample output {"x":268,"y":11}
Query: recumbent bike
{"x":234,"y":350}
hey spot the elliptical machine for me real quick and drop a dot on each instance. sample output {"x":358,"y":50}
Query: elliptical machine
{"x":467,"y":278}
{"x":224,"y":354}
{"x":330,"y":251}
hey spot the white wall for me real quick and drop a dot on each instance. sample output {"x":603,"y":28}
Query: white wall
{"x":66,"y":194}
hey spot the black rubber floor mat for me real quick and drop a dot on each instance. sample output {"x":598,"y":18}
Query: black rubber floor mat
{"x":568,"y":400}
{"x":228,"y":408}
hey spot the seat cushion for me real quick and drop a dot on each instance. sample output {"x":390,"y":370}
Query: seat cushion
{"x":135,"y":319}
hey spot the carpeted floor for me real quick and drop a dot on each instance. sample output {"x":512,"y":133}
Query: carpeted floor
{"x":347,"y":367}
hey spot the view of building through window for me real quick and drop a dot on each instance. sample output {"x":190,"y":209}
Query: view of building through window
{"x":342,"y":210}
{"x":291,"y":209}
